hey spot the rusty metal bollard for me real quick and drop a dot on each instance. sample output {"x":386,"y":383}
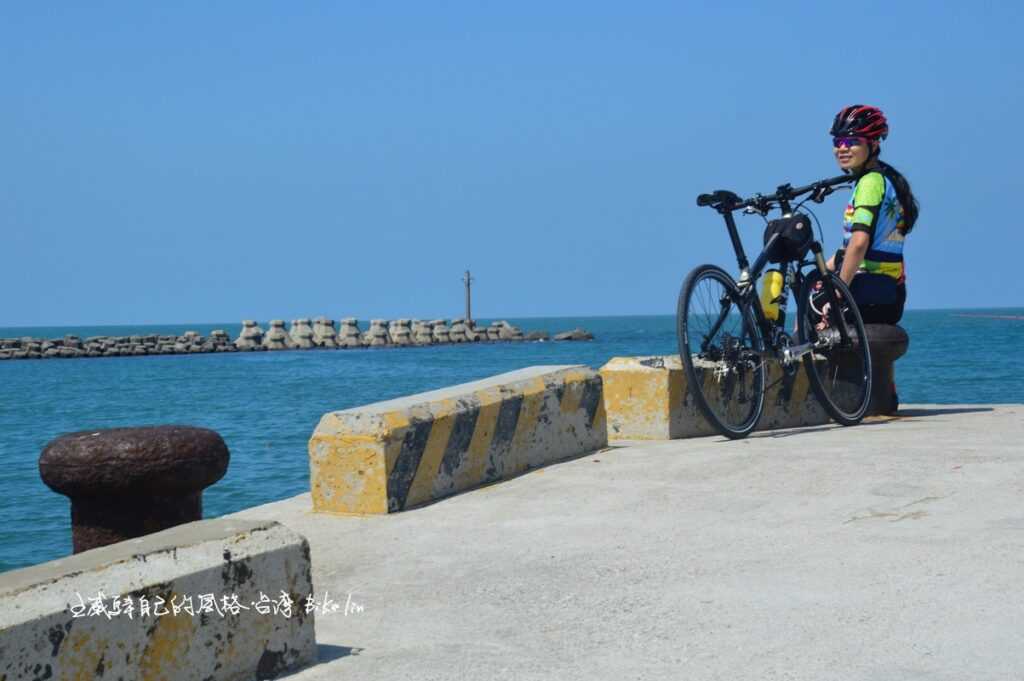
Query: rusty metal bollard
{"x":888,"y":342}
{"x":128,"y":482}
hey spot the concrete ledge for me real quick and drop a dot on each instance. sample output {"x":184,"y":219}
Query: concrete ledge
{"x":46,"y":632}
{"x":646,"y":398}
{"x":394,"y":455}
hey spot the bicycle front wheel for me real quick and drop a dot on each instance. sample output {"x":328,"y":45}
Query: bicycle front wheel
{"x":839,"y":367}
{"x":721,"y":350}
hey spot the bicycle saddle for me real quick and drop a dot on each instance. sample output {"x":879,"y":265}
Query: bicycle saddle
{"x":719,"y":197}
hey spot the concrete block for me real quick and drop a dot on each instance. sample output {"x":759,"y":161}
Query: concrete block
{"x":647,"y":398}
{"x":391,"y":456}
{"x":399,"y":332}
{"x":302,"y":334}
{"x":47,"y":631}
{"x":377,"y":334}
{"x":349,"y":335}
{"x":440,"y":331}
{"x":422,"y":333}
{"x":324,"y":333}
{"x":277,"y":337}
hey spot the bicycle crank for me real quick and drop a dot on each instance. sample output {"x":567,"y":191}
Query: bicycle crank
{"x":827,"y":338}
{"x":794,"y":353}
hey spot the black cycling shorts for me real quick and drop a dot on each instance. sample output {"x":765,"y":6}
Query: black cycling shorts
{"x":879,"y":297}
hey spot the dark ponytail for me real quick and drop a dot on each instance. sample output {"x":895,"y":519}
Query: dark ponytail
{"x":903,"y":193}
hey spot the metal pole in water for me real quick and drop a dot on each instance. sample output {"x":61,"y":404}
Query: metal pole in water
{"x":468,"y":280}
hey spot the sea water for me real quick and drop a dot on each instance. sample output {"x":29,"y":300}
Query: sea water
{"x":266,"y":405}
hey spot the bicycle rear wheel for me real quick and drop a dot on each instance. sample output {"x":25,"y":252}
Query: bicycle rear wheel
{"x":721,"y":350}
{"x":839,"y":369}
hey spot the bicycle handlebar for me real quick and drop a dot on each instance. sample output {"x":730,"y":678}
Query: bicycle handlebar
{"x":724,"y":200}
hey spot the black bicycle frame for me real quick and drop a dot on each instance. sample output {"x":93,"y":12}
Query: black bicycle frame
{"x":725,"y":202}
{"x":749,"y":274}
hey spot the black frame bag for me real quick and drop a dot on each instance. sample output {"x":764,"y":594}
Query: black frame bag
{"x":794,"y":238}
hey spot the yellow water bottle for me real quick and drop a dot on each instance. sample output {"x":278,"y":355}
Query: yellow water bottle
{"x":771,"y":293}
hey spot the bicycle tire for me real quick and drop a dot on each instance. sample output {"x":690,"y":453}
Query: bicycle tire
{"x":840,"y":377}
{"x":734,"y":356}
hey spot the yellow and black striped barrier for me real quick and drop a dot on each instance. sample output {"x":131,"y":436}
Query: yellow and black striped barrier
{"x":647,"y":399}
{"x":394,"y":455}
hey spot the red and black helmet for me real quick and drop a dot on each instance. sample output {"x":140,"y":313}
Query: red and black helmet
{"x":860,"y":121}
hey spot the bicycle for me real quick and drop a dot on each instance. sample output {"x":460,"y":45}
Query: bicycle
{"x":726,"y":338}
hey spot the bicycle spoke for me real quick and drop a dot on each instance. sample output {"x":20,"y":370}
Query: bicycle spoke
{"x":839,"y":370}
{"x":728,"y":364}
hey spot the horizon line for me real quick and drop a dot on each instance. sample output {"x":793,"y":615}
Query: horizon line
{"x":482,"y":317}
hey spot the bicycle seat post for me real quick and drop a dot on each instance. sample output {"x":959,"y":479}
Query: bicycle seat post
{"x":737,"y":245}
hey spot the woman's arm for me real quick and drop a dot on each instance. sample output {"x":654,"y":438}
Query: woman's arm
{"x":867,"y":201}
{"x":856,"y":249}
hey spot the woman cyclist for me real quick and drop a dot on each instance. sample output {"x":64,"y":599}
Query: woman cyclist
{"x":881,"y":212}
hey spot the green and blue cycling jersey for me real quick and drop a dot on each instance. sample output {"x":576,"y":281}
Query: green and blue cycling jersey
{"x":875,"y":209}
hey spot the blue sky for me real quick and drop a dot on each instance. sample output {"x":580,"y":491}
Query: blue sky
{"x":187,"y":162}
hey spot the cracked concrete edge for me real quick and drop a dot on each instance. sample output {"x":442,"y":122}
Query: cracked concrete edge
{"x":647,"y":398}
{"x":44,"y":629}
{"x":394,"y":455}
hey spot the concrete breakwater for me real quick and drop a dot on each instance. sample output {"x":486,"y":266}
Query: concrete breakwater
{"x":377,"y":459}
{"x":301,"y":334}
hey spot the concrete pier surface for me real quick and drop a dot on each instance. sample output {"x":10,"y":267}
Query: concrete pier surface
{"x":892,"y":550}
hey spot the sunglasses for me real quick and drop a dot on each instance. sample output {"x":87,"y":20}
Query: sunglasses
{"x":848,"y":142}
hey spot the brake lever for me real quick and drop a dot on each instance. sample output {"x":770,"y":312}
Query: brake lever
{"x":760,"y":207}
